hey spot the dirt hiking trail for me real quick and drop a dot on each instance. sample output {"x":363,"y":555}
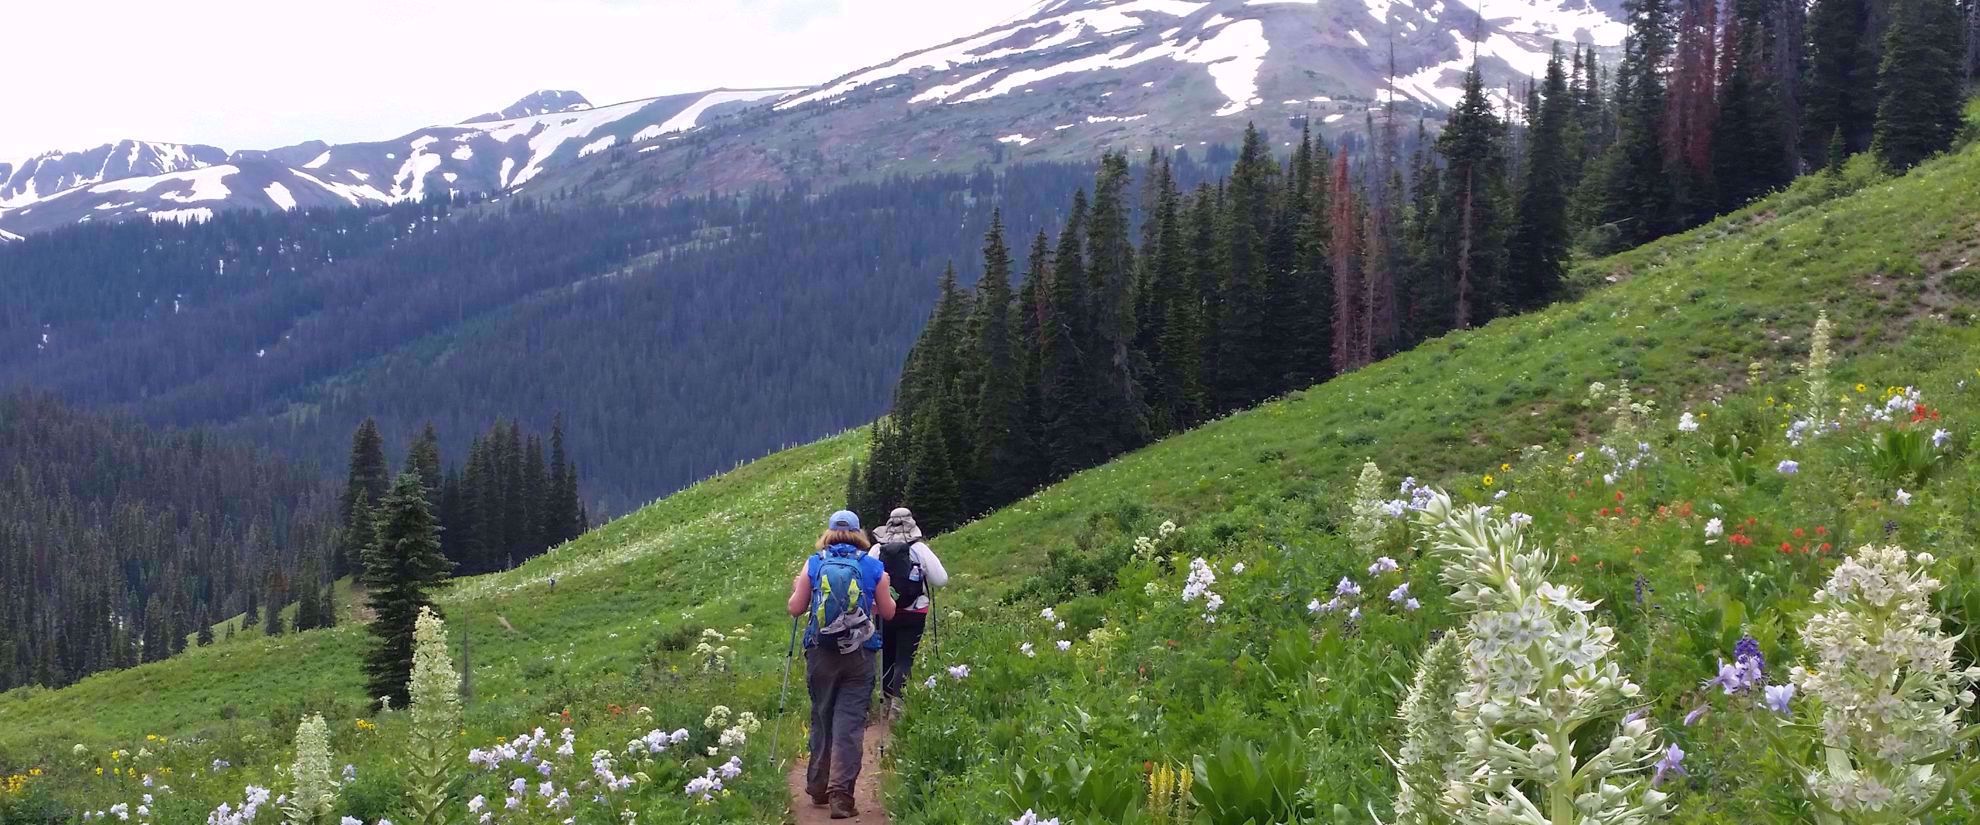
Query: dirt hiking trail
{"x":866,"y":794}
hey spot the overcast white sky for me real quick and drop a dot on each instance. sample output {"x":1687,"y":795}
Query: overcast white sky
{"x":256,"y":74}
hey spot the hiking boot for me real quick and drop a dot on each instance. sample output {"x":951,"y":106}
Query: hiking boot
{"x":842,"y":806}
{"x":818,"y":795}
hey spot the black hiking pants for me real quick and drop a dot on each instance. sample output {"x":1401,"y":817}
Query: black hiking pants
{"x":900,"y":638}
{"x":841,"y":687}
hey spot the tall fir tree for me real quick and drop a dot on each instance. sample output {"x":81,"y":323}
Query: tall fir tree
{"x":1471,"y":220}
{"x":365,"y":485}
{"x":423,"y":460}
{"x":401,"y":572}
{"x":1841,"y":92}
{"x":1637,"y":195}
{"x":1000,"y":438}
{"x":1244,"y":361}
{"x":1115,"y":383}
{"x":1537,"y":251}
{"x":1920,"y":84}
{"x":933,"y":491}
{"x":1066,"y":404}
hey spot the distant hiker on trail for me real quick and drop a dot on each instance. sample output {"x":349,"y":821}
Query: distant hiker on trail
{"x":914,"y":570}
{"x":842,"y":589}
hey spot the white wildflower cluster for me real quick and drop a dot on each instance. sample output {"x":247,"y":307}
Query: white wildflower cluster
{"x":1889,"y":692}
{"x":1427,"y":761}
{"x":1895,"y":409}
{"x":709,"y":785}
{"x":1368,"y":516}
{"x":1815,"y":375}
{"x":1201,"y":577}
{"x":435,"y":687}
{"x":315,"y":797}
{"x":1621,"y":405}
{"x":655,"y":742}
{"x":1537,"y":675}
{"x":735,"y":736}
{"x":1148,"y":548}
{"x":432,"y":745}
{"x":254,"y":798}
{"x":1031,"y":818}
{"x":714,"y":651}
{"x":1687,"y":423}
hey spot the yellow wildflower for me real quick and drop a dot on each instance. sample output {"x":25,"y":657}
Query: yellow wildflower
{"x":1861,"y":389}
{"x":1489,"y":480}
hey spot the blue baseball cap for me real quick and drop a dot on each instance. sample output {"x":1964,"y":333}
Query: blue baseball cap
{"x":843,"y":520}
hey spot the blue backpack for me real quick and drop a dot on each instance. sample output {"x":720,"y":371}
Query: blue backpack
{"x":838,"y":614}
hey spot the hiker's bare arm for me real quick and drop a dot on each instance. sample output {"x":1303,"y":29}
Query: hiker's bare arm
{"x":800,"y":594}
{"x":883,"y":602}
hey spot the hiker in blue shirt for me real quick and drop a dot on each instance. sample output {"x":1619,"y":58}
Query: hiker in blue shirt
{"x":845,"y":594}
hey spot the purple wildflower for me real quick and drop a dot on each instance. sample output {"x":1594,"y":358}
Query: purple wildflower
{"x":1671,"y":765}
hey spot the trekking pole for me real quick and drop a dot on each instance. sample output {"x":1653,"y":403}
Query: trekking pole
{"x":777,"y":724}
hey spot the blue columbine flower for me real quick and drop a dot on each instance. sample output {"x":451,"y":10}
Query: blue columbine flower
{"x":1779,"y":697}
{"x":1671,"y":765}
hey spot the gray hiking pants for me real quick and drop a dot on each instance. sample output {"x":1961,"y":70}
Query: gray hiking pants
{"x":841,"y":687}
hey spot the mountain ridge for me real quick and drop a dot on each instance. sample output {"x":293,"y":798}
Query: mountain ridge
{"x":1061,"y":81}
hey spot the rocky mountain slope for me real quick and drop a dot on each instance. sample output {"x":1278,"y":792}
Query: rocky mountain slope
{"x":1062,"y":81}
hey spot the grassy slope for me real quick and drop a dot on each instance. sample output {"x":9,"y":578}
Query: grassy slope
{"x":1686,"y":312}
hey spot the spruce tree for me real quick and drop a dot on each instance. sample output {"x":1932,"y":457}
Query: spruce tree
{"x":1537,"y":251}
{"x":1471,"y":221}
{"x":1841,"y":92}
{"x":1919,"y":87}
{"x":933,"y":491}
{"x":401,"y":572}
{"x":1167,"y":302}
{"x":1065,"y":399}
{"x":273,"y":622}
{"x":423,"y":459}
{"x":253,"y":615}
{"x":328,"y":605}
{"x":205,"y":629}
{"x":1311,"y":347}
{"x":999,"y":439}
{"x":1638,"y":197}
{"x":1749,"y":153}
{"x":1113,"y":383}
{"x":365,"y":485}
{"x":1244,"y":356}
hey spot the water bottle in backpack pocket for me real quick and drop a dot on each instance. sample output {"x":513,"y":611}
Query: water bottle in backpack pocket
{"x":838,"y":616}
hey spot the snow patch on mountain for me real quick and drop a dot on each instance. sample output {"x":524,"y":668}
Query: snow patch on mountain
{"x":8,"y":236}
{"x":690,"y":117}
{"x":280,"y":196}
{"x":597,"y":146}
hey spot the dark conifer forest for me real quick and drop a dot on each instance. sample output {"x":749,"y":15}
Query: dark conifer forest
{"x":120,"y":545}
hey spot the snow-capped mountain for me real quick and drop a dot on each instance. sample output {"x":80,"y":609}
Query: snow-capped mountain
{"x":499,"y":151}
{"x":1064,"y":80}
{"x":1069,"y":78}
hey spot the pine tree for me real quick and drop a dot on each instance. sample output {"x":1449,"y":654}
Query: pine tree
{"x":1244,"y":359}
{"x":999,"y":439}
{"x":365,"y":485}
{"x":253,"y":615}
{"x":1637,"y":197}
{"x":932,"y":489}
{"x":856,"y":489}
{"x":563,"y":514}
{"x":423,"y":459}
{"x":1171,"y":348}
{"x":1113,"y":383}
{"x":205,"y":629}
{"x":1537,"y":251}
{"x":400,"y":573}
{"x":328,"y":604}
{"x":1750,"y":156}
{"x":1471,"y":216}
{"x":1313,"y":337}
{"x":273,"y":622}
{"x":1841,"y":93}
{"x":1066,"y":402}
{"x":1919,"y":85}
